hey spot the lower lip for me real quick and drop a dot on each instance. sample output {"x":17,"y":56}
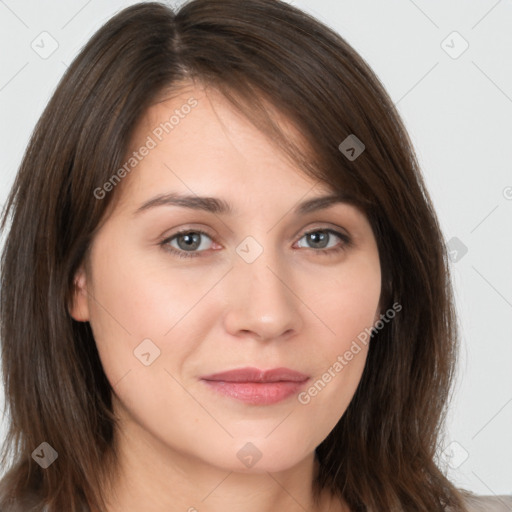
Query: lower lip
{"x":257,"y":393}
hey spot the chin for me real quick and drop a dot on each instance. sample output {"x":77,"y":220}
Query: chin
{"x":261,"y":456}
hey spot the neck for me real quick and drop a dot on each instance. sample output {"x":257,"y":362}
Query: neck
{"x":155,"y":478}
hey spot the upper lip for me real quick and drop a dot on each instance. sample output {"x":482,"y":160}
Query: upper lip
{"x":250,"y":374}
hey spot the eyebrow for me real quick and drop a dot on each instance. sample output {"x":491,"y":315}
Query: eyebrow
{"x":220,"y":206}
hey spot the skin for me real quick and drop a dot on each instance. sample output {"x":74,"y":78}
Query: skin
{"x":292,"y":307}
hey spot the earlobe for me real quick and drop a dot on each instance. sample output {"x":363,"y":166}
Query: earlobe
{"x":79,"y":306}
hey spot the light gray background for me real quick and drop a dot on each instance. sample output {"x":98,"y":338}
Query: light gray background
{"x":458,"y":112}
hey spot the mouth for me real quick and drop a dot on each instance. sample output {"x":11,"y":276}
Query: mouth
{"x":255,"y":386}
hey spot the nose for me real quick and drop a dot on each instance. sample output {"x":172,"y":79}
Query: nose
{"x":261,"y":301}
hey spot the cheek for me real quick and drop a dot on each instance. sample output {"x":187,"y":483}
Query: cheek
{"x":348,"y":308}
{"x":136,"y":298}
{"x":130,"y":302}
{"x":328,"y":396}
{"x":347,"y":302}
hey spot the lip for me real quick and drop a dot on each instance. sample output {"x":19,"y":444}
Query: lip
{"x":255,"y":386}
{"x":251,"y":374}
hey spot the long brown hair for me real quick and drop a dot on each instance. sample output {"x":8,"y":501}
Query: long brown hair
{"x":262,"y":55}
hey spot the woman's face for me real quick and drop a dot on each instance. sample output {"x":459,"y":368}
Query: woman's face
{"x":255,"y":291}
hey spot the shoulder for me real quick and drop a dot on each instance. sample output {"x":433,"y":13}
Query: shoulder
{"x":488,"y":503}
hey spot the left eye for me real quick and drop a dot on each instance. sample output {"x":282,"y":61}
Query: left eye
{"x":320,"y":236}
{"x":189,"y":241}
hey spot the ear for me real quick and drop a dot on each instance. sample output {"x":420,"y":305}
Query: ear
{"x":79,"y":306}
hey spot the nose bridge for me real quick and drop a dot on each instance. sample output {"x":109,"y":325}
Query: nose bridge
{"x":262,"y":301}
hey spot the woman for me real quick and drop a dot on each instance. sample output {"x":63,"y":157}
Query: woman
{"x":224,"y":285}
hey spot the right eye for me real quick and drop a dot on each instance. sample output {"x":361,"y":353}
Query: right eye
{"x":188,"y":239}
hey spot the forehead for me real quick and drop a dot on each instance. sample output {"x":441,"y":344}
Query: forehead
{"x":197,"y":137}
{"x":202,"y":115}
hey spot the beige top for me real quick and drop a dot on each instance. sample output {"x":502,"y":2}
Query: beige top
{"x":489,"y":503}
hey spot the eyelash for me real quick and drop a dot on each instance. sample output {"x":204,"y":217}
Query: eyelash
{"x":346,"y":243}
